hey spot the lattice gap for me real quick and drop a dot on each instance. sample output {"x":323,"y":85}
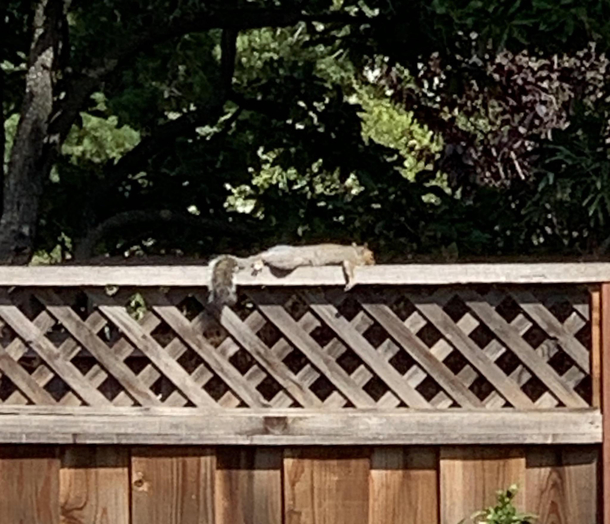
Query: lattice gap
{"x":386,"y":348}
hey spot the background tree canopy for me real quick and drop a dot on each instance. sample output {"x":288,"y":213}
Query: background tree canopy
{"x":444,"y":128}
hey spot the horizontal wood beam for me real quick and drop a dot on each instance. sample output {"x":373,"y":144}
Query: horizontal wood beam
{"x":415,"y":274}
{"x":177,"y":426}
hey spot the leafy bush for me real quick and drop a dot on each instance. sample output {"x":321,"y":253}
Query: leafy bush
{"x":504,"y":512}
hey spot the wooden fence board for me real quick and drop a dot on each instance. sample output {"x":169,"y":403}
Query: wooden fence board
{"x":329,"y":314}
{"x":326,"y":486}
{"x":511,"y":337}
{"x":50,"y":354}
{"x":596,"y":347}
{"x":470,"y":477}
{"x":286,"y":427}
{"x":87,"y":337}
{"x":310,"y":348}
{"x":474,"y":355}
{"x":266,"y":359}
{"x":172,"y":486}
{"x":29,"y":485}
{"x":383,"y":274}
{"x":94,"y":485}
{"x":422,"y":355}
{"x":605,"y":398}
{"x":170,"y":314}
{"x":249,"y":486}
{"x":404,"y":486}
{"x":150,"y":347}
{"x":562,"y":485}
{"x":547,"y":321}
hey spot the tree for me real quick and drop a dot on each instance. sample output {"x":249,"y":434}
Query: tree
{"x":202,"y":126}
{"x":77,"y":49}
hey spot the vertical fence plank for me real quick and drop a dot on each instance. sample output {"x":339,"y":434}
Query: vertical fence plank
{"x":605,"y":399}
{"x":249,"y":486}
{"x":326,"y":486}
{"x":172,"y":485}
{"x":596,"y":346}
{"x":94,"y":485}
{"x":404,"y":486}
{"x":29,"y":485}
{"x":470,"y":477}
{"x":562,"y":485}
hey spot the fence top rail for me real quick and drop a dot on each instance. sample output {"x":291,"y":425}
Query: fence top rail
{"x":405,"y":274}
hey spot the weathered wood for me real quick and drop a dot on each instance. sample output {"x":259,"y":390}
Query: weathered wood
{"x":561,"y":484}
{"x":326,"y":486}
{"x":596,"y":347}
{"x":29,"y":485}
{"x":470,"y":477}
{"x":547,"y":321}
{"x":310,"y":348}
{"x":329,"y":314}
{"x":511,"y":337}
{"x":49,"y":353}
{"x":23,"y":381}
{"x":404,"y":486}
{"x":149,"y":346}
{"x":479,"y":359}
{"x":422,"y":355}
{"x":406,"y":274}
{"x":87,"y":337}
{"x":605,"y":398}
{"x":267,"y":359}
{"x":132,"y":425}
{"x":172,"y":486}
{"x":206,"y":351}
{"x":249,"y":486}
{"x":94,"y":485}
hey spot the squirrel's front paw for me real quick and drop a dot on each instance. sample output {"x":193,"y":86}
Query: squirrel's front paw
{"x":349,"y":286}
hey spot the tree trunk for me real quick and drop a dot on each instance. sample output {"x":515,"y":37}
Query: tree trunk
{"x":30,"y":159}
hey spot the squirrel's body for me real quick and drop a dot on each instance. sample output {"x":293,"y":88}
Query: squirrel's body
{"x":284,"y":258}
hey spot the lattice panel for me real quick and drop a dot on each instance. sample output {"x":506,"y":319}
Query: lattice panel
{"x":518,"y":347}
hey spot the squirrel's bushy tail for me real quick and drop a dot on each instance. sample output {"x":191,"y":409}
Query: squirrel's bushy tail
{"x":222,"y":288}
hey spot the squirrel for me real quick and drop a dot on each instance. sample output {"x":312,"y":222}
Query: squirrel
{"x":223,"y":290}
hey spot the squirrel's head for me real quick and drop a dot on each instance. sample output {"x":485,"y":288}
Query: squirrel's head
{"x":367,"y":255}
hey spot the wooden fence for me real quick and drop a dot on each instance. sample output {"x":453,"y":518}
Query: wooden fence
{"x":412,"y":398}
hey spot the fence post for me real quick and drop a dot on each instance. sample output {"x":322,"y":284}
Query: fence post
{"x":605,"y":399}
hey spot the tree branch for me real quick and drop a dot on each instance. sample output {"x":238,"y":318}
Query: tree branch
{"x":85,"y":247}
{"x":164,"y":136}
{"x":230,"y":19}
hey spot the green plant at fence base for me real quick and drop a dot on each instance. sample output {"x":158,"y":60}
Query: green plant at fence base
{"x":504,"y":512}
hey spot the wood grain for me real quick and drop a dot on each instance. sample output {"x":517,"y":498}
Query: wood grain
{"x":605,"y":399}
{"x":326,"y":486}
{"x":388,"y":274}
{"x":562,"y":486}
{"x":87,"y":337}
{"x":29,"y":485}
{"x":94,"y":485}
{"x":49,"y":353}
{"x":479,"y":359}
{"x":180,"y":324}
{"x":284,"y":427}
{"x":172,"y":486}
{"x":316,"y":355}
{"x":151,"y":348}
{"x":470,"y":477}
{"x":249,"y":486}
{"x":353,"y":339}
{"x":404,"y":486}
{"x":510,"y":336}
{"x":596,"y":347}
